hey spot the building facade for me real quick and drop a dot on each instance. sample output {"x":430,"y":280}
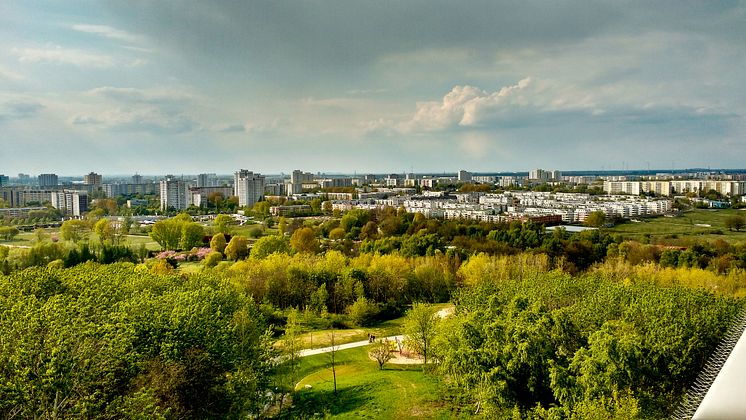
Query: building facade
{"x":72,"y":203}
{"x":174,"y":194}
{"x":48,"y":180}
{"x":248,"y":187}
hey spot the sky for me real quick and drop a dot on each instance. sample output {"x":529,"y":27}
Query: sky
{"x":166,"y":86}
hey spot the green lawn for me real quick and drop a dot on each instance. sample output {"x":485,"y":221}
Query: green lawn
{"x":678,"y":230}
{"x":364,"y":391}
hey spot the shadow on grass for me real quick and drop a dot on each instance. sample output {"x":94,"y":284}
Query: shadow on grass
{"x":316,"y":403}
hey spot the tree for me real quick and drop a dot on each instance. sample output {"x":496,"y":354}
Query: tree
{"x":381,"y":352}
{"x":223,"y":223}
{"x":370,"y":231}
{"x":337,"y":234}
{"x":595,"y":219}
{"x":735,"y":222}
{"x":104,"y":230}
{"x":420,"y":325}
{"x":167,"y":233}
{"x":217,"y":243}
{"x":319,"y":298}
{"x":192,"y":235}
{"x":8,"y":232}
{"x":268,"y":245}
{"x":333,"y":358}
{"x":304,"y":240}
{"x":74,"y":230}
{"x":261,"y":209}
{"x":237,"y":248}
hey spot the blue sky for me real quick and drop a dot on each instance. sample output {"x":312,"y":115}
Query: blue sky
{"x":370,"y":86}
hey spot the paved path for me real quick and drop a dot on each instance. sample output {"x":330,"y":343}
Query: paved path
{"x":311,"y":352}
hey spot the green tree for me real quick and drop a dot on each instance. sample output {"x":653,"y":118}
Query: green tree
{"x":74,"y":230}
{"x":337,"y":234}
{"x":8,"y":232}
{"x":595,"y":219}
{"x":104,"y":230}
{"x":420,"y":326}
{"x":167,"y":233}
{"x":362,"y":312}
{"x":381,"y":353}
{"x":223,"y":223}
{"x":192,"y":235}
{"x":319,"y":299}
{"x":217,"y":243}
{"x":238,"y":248}
{"x":304,"y":241}
{"x":268,"y":245}
{"x":261,"y":209}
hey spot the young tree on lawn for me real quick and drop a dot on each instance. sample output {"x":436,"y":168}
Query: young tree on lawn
{"x":382,"y":353}
{"x":420,"y":326}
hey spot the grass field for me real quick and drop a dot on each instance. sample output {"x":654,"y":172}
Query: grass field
{"x":698,"y":224}
{"x":29,"y":238}
{"x":364,"y":391}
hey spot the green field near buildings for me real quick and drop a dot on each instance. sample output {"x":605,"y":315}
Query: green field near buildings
{"x":697,"y":224}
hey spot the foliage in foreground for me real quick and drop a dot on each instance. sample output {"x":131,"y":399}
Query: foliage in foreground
{"x":558,"y":346}
{"x":118,"y":342}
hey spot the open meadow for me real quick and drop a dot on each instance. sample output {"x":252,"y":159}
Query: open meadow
{"x":696,"y":224}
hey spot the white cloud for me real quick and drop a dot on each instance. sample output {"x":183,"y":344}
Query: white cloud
{"x":59,"y":55}
{"x":107,"y":32}
{"x":465,"y":106}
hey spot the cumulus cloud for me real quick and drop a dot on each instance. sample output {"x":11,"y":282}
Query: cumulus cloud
{"x":466,"y":106}
{"x":60,"y":55}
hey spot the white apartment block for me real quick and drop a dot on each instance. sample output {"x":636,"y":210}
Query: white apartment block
{"x":248,"y":187}
{"x":70,"y":202}
{"x":174,"y":194}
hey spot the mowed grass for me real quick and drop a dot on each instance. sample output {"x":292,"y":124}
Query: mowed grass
{"x":29,"y":239}
{"x":364,"y":391}
{"x":679,"y":230}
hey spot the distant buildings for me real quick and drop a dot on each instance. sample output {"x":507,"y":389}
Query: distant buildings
{"x":136,"y":179}
{"x":464,"y":176}
{"x":667,"y":188}
{"x":297,"y":179}
{"x":200,"y":196}
{"x":93,"y":179}
{"x":248,"y":187}
{"x":70,"y":202}
{"x":48,"y":180}
{"x":540,"y":175}
{"x":4,"y":180}
{"x":207,"y":180}
{"x":174,"y":194}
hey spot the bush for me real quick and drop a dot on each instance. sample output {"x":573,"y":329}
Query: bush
{"x":363,"y":312}
{"x":212,"y":259}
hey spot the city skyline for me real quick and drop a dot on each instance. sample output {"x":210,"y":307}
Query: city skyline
{"x":157,"y":87}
